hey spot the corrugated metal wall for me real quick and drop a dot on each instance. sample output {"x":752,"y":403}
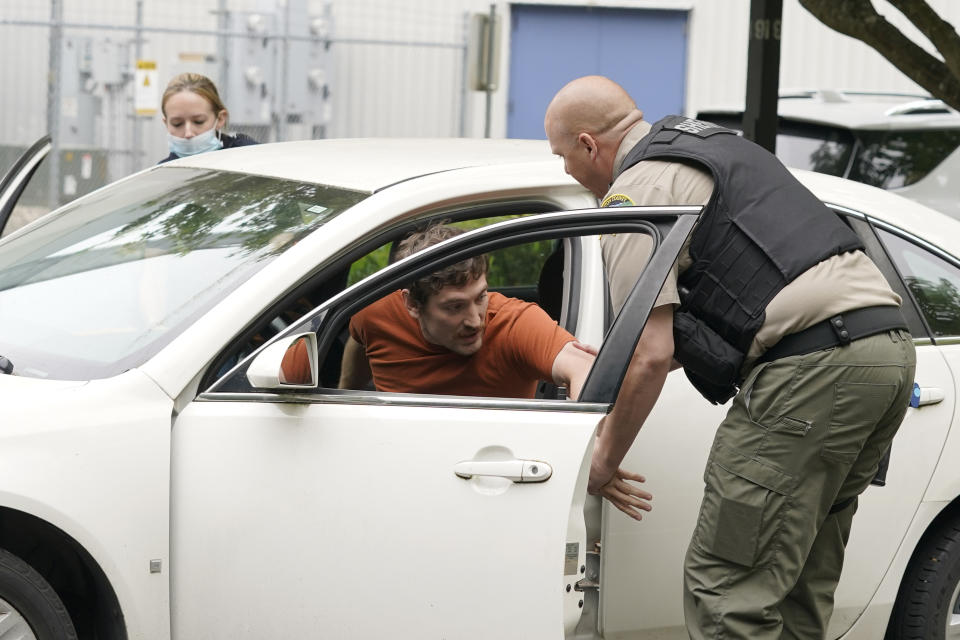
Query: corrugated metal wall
{"x":403,"y":89}
{"x":812,"y":55}
{"x":397,"y":66}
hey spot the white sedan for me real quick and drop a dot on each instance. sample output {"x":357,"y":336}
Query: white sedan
{"x":158,"y":479}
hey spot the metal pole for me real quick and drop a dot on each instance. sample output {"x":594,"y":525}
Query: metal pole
{"x":464,"y":72}
{"x":222,"y":47}
{"x":136,"y":138}
{"x":53,"y":100}
{"x":284,"y":73}
{"x":763,"y":73}
{"x":488,"y":80}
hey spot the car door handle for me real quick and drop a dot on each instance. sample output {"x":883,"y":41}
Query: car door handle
{"x":516,"y":470}
{"x":923,"y":396}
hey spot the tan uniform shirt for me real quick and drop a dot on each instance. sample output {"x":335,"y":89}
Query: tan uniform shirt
{"x":840,"y":283}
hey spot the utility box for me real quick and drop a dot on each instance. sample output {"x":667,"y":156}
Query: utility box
{"x":82,"y":170}
{"x":279,"y":73}
{"x":483,"y":52}
{"x":251,"y":75}
{"x":90,"y":69}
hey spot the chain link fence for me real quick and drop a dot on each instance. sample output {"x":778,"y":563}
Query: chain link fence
{"x":90,"y":74}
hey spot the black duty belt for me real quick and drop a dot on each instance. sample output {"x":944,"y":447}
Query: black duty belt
{"x":839,"y":330}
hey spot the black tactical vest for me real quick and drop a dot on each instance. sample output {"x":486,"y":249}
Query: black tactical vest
{"x":759,"y":231}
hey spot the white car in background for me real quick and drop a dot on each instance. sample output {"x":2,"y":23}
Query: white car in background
{"x":907,"y":143}
{"x":158,"y":480}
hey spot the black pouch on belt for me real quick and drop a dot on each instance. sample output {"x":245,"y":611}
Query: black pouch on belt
{"x":711,"y":363}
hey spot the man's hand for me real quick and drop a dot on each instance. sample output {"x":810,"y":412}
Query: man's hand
{"x":586,"y":348}
{"x":571,"y":366}
{"x":630,"y":499}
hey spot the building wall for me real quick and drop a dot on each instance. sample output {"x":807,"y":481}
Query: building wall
{"x":812,"y":55}
{"x":418,"y":90}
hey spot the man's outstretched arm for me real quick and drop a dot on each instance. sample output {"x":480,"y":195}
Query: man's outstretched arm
{"x":648,"y":369}
{"x":354,"y":367}
{"x":570,"y":368}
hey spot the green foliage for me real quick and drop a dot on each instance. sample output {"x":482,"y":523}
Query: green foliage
{"x":515,"y":266}
{"x":369,"y":264}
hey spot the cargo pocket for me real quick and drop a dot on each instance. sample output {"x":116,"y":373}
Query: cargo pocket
{"x":742,"y":508}
{"x":857,"y":407}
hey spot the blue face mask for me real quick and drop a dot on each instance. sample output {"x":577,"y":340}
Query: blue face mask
{"x":207,"y":141}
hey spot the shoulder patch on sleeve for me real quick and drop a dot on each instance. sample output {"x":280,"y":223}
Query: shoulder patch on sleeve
{"x":617,"y":200}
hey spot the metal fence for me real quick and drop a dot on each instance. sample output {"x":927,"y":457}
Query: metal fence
{"x":90,"y":73}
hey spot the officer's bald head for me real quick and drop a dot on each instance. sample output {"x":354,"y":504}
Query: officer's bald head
{"x":592,"y":104}
{"x":585,"y":123}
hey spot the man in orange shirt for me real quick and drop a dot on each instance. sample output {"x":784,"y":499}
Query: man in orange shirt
{"x":448,"y":335}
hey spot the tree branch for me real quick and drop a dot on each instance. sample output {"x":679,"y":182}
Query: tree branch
{"x":858,"y":19}
{"x":940,"y":32}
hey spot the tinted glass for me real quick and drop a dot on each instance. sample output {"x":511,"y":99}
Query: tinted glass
{"x":801,"y":145}
{"x":891,"y":159}
{"x":885,"y":159}
{"x":934,"y":283}
{"x":821,"y":149}
{"x":105,"y":283}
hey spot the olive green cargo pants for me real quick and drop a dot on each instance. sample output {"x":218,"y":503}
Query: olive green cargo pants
{"x":804,"y":434}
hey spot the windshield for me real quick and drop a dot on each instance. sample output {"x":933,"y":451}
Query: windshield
{"x":105,"y":283}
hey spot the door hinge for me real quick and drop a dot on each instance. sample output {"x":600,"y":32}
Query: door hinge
{"x":591,"y":576}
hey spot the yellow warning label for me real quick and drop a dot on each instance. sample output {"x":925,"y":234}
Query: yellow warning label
{"x":147,"y":94}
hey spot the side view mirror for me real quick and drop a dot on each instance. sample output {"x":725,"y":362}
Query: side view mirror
{"x":288,"y":363}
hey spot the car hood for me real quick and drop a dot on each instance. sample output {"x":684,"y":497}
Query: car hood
{"x":31,"y":405}
{"x":14,"y":389}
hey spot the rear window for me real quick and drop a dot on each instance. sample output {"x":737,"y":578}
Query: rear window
{"x":885,"y":159}
{"x":891,"y":159}
{"x":801,"y":145}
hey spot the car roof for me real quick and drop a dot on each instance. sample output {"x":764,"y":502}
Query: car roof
{"x":934,"y":227}
{"x":369,"y":164}
{"x":373,"y":164}
{"x":859,"y":109}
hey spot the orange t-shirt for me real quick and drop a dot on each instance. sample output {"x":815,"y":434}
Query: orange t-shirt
{"x":520,"y":343}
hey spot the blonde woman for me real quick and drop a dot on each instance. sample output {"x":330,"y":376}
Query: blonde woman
{"x":195,"y":117}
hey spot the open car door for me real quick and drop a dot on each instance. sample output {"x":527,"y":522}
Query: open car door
{"x":19,"y":175}
{"x":302,"y":511}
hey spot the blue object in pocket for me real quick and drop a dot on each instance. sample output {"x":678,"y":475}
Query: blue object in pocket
{"x":915,"y":396}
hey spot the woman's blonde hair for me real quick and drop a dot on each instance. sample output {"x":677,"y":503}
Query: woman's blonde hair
{"x":200,"y":85}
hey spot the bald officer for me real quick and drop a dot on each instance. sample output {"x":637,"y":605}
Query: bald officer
{"x":780,"y":310}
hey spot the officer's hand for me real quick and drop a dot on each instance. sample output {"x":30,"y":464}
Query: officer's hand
{"x":627,"y":497}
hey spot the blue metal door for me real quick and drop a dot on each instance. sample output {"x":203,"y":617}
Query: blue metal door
{"x":643,"y":50}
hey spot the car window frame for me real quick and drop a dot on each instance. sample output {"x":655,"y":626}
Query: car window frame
{"x":930,"y":248}
{"x":339,"y":265}
{"x":18,"y":176}
{"x":666,"y":225}
{"x":877,"y":252}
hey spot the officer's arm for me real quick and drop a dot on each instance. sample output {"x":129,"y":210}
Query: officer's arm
{"x":652,"y":360}
{"x":570,"y":368}
{"x":354,"y":368}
